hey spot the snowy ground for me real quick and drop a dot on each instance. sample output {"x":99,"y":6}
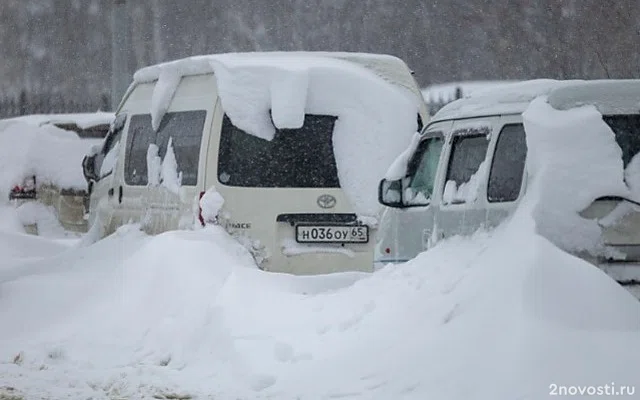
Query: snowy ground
{"x":186,"y":314}
{"x":497,"y":316}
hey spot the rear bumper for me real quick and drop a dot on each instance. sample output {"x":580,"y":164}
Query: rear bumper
{"x":383,"y":262}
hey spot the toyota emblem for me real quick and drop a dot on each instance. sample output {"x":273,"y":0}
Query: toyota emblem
{"x":326,"y":201}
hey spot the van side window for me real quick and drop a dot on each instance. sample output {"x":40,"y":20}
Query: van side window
{"x":505,"y":177}
{"x":140,"y":136}
{"x":184,"y":127}
{"x":294,"y":158}
{"x":185,"y":130}
{"x":422,"y":170}
{"x":466,"y":167}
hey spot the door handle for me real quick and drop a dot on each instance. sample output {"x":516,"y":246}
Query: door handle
{"x":110,"y":192}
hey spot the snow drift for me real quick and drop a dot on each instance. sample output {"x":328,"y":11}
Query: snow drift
{"x":188,"y":313}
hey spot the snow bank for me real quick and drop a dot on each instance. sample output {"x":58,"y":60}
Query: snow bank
{"x":562,"y":149}
{"x":10,"y":220}
{"x":376,"y":116}
{"x":188,"y":313}
{"x":53,"y":155}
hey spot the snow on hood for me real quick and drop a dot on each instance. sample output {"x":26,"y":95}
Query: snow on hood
{"x":376,"y":118}
{"x":572,"y":160}
{"x":53,"y":155}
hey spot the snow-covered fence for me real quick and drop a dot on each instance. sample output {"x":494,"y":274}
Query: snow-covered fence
{"x":50,"y":103}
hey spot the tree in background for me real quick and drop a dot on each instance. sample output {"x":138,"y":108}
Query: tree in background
{"x":64,"y":45}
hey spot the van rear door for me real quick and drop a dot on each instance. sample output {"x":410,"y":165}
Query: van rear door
{"x":283,"y":198}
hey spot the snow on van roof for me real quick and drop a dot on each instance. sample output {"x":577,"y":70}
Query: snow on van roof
{"x":608,"y":96}
{"x":506,"y":99}
{"x":388,"y":67}
{"x":375,"y":98}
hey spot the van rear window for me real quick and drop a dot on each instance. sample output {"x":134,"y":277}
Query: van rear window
{"x":626,"y":129}
{"x":184,"y":127}
{"x":294,"y":158}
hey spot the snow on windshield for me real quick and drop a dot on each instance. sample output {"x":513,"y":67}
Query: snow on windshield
{"x":573,"y":159}
{"x":376,"y":118}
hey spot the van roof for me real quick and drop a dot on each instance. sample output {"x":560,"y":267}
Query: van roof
{"x":609,"y":96}
{"x":390,"y":68}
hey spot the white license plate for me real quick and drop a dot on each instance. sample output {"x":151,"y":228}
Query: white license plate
{"x":332,"y":234}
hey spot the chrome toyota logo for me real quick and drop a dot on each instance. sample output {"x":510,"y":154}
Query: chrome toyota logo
{"x":326,"y":201}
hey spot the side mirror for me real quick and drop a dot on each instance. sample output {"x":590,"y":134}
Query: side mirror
{"x":390,"y":193}
{"x":89,"y":168}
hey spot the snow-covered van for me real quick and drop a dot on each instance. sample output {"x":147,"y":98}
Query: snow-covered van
{"x":571,"y":146}
{"x":289,"y":145}
{"x":44,"y":152}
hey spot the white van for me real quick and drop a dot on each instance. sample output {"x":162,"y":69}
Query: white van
{"x":466,"y":171}
{"x":294,"y":142}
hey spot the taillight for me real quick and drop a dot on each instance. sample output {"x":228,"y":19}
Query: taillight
{"x":200,"y":218}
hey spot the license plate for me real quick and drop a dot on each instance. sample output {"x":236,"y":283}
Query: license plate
{"x":332,"y":234}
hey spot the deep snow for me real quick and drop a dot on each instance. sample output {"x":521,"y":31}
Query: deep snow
{"x":187,"y":314}
{"x":500,"y":316}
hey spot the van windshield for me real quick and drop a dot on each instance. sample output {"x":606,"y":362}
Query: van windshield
{"x":294,"y":158}
{"x":626,"y":129}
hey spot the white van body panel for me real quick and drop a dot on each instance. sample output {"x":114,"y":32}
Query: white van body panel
{"x":407,"y":231}
{"x":263,"y":219}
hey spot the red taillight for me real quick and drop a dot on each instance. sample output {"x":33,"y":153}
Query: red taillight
{"x":16,"y":189}
{"x":200,"y":218}
{"x":387,"y":250}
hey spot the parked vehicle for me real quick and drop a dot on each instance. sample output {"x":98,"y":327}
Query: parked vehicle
{"x":467,"y":171}
{"x":261,"y":128}
{"x":68,"y":202}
